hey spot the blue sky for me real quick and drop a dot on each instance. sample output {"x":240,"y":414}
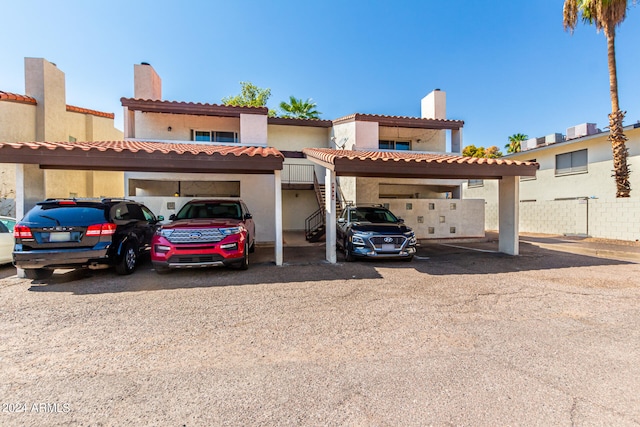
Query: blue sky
{"x":507,"y":66}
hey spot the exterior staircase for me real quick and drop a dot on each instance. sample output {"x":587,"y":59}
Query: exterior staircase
{"x":315,"y":224}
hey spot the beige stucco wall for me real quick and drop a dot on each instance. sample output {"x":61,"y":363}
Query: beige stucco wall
{"x":297,"y":205}
{"x":156,"y":125}
{"x":17,"y":122}
{"x":295,"y":138}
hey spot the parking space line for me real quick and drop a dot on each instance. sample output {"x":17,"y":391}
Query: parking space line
{"x":471,"y":249}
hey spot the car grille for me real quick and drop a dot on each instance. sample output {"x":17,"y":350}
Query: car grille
{"x":396,"y":241}
{"x":203,"y":235}
{"x":194,"y":259}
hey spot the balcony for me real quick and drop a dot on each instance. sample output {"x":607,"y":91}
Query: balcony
{"x":297,"y":177}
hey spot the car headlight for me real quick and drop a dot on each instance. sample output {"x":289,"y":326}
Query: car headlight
{"x":357,"y":240}
{"x":411,"y":236}
{"x":231,"y":230}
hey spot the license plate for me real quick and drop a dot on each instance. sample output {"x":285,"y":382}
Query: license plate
{"x":388,"y":246}
{"x":60,"y":237}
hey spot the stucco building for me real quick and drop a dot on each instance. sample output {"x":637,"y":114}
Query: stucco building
{"x":573,"y":192}
{"x":42,"y":114}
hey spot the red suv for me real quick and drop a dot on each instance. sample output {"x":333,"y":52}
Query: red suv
{"x":205,"y":233}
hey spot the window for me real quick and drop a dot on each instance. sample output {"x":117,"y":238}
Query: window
{"x":394,"y":145}
{"x":475,"y":183}
{"x":214,"y":136}
{"x":573,"y":162}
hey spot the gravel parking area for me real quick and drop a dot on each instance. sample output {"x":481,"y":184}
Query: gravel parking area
{"x":456,"y":337}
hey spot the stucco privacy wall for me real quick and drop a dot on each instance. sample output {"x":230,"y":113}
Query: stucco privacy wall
{"x":257,"y":191}
{"x":447,"y":218}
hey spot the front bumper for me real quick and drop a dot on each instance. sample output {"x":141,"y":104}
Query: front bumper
{"x":228,"y":251}
{"x":368,"y":252}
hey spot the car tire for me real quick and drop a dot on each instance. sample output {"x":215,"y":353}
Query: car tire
{"x":252,"y":248}
{"x":37,"y":273}
{"x":347,"y":253}
{"x":244,"y":264}
{"x":127,"y":262}
{"x":408,"y":259}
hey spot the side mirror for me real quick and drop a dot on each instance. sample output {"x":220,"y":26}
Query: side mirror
{"x":160,"y":218}
{"x":172,"y":217}
{"x":248,"y":216}
{"x":401,"y":220}
{"x":341,"y":220}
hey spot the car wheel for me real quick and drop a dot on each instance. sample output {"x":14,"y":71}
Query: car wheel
{"x":252,"y":248}
{"x":127,"y":262}
{"x":244,"y":264}
{"x":347,"y":253}
{"x":37,"y":273}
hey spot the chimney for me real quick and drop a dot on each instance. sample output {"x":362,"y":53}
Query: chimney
{"x":46,"y":83}
{"x":434,"y":105}
{"x":146,"y":82}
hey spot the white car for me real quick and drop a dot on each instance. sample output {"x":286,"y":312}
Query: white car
{"x":6,"y":239}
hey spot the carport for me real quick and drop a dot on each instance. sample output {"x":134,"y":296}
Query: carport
{"x":139,"y":156}
{"x":384,"y":164}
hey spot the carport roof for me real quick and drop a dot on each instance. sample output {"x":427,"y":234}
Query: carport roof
{"x":144,"y":156}
{"x":395,"y":164}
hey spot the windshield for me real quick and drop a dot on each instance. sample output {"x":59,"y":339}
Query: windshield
{"x":374,"y":215}
{"x":210,"y":210}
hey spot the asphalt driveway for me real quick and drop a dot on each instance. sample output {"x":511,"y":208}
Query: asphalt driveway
{"x":460,"y":336}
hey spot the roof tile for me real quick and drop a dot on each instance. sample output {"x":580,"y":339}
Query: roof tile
{"x":14,"y":97}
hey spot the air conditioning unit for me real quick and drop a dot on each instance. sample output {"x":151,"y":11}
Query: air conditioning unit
{"x":553,"y":138}
{"x":529,"y":144}
{"x":581,"y":130}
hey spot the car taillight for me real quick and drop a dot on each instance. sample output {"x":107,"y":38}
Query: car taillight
{"x":106,"y":229}
{"x":22,"y":232}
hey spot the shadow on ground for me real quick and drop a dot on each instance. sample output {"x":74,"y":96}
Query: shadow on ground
{"x":307,"y":264}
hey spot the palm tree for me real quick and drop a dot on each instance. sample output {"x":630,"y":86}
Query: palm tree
{"x":606,"y":15}
{"x":515,"y":142}
{"x":299,"y":109}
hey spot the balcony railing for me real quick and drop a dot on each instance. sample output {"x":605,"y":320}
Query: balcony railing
{"x":297,"y":174}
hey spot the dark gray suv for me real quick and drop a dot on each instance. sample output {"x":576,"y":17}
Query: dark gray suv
{"x":374,"y":232}
{"x":70,"y":233}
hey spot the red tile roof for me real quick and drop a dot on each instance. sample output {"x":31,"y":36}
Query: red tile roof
{"x":198,"y":109}
{"x":75,"y":109}
{"x":149,"y":147}
{"x":299,"y":122}
{"x":24,"y":99}
{"x":415,"y":164}
{"x":14,"y":97}
{"x":402,"y":121}
{"x":134,"y":155}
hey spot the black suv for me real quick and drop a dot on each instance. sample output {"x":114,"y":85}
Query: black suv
{"x":373,"y":231}
{"x":70,"y":233}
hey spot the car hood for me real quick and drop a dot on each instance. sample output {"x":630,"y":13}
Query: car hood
{"x":380,"y":228}
{"x":203,"y":223}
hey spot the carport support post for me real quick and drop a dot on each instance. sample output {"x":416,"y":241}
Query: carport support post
{"x":278,"y":216}
{"x":509,"y":215}
{"x":30,"y":188}
{"x":330,"y":212}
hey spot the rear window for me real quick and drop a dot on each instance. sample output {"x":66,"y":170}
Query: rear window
{"x":53,"y":215}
